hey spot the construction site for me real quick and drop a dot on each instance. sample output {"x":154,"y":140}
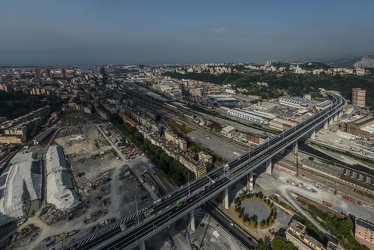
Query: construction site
{"x":83,"y":181}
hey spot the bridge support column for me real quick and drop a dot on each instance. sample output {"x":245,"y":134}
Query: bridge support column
{"x":335,"y":118}
{"x":326,"y":125}
{"x":340,"y":114}
{"x":313,"y":135}
{"x":192,"y":220}
{"x":142,"y":245}
{"x":295,"y":147}
{"x":250,"y":183}
{"x":330,"y":121}
{"x":269,"y":166}
{"x":226,"y":199}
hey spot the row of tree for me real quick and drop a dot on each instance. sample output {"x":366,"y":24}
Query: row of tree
{"x":253,"y":220}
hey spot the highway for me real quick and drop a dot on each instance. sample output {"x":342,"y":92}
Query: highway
{"x":153,"y":219}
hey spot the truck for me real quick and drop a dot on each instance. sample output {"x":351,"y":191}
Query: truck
{"x":157,"y":202}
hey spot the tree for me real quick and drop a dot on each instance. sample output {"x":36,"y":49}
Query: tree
{"x":280,"y":243}
{"x":153,"y":158}
{"x":162,"y":165}
{"x":143,"y":147}
{"x":267,"y":222}
{"x":148,"y":153}
{"x":261,"y":246}
{"x":174,"y":177}
{"x":158,"y":152}
{"x":262,"y":223}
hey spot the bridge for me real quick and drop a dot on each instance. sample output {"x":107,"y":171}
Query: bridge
{"x":135,"y":229}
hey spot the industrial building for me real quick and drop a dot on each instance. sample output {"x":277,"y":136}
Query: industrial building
{"x":297,"y":102}
{"x":359,"y":97}
{"x":221,"y":99}
{"x":362,"y":126}
{"x":60,"y":189}
{"x":246,"y":115}
{"x":20,"y":188}
{"x":323,"y":105}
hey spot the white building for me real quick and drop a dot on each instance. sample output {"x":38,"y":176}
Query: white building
{"x":20,"y":188}
{"x":60,"y":189}
{"x":245,"y":115}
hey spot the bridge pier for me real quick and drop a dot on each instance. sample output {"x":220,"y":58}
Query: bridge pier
{"x":330,"y":121}
{"x":226,"y":199}
{"x":269,"y":166}
{"x":192,"y":220}
{"x":340,"y":114}
{"x":335,"y":118}
{"x":326,"y":125}
{"x":142,"y":246}
{"x":250,"y":182}
{"x":295,"y":147}
{"x":313,"y":135}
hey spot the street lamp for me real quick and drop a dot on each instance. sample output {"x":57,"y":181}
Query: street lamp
{"x":137,"y":212}
{"x":188,"y":182}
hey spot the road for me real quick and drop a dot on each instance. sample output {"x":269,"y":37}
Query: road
{"x":155,"y":218}
{"x":234,"y":229}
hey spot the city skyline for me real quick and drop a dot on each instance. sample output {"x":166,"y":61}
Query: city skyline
{"x":98,"y":32}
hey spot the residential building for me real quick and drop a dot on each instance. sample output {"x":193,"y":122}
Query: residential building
{"x":47,"y":73}
{"x":364,"y":232}
{"x":296,"y":233}
{"x":229,"y":131}
{"x":10,"y":139}
{"x":197,"y":168}
{"x":359,"y":97}
{"x":204,"y":157}
{"x":63,"y":73}
{"x":171,"y":137}
{"x":182,"y":144}
{"x":37,"y":74}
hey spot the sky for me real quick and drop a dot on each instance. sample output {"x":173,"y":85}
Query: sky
{"x":170,"y":31}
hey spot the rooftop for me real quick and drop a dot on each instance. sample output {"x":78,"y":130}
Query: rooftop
{"x":60,"y":189}
{"x":365,"y":224}
{"x":20,"y":183}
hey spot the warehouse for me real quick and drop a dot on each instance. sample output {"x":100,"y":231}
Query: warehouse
{"x":20,"y":188}
{"x":60,"y":189}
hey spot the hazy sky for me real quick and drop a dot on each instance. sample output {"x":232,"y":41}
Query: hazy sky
{"x":161,"y":31}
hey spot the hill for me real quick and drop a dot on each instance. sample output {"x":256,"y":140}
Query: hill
{"x":363,"y":61}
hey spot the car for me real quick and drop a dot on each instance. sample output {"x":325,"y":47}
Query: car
{"x":231,"y":224}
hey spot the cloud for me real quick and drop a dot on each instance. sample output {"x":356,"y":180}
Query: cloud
{"x":219,"y":30}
